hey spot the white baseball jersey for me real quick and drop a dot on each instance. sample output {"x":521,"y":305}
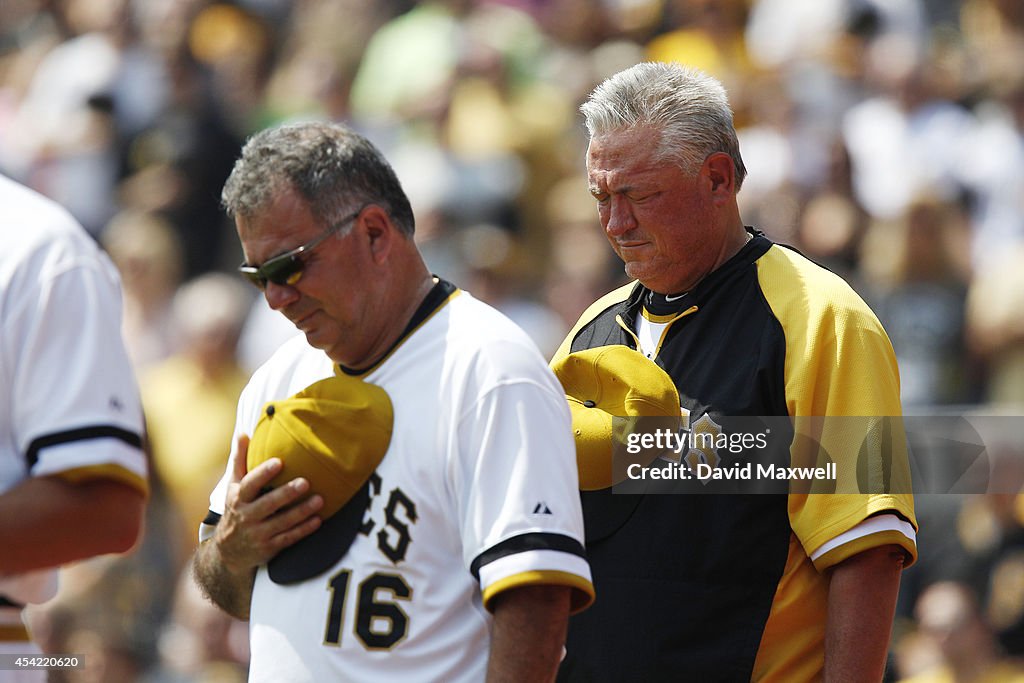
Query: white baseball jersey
{"x":476,"y":494}
{"x":69,"y":405}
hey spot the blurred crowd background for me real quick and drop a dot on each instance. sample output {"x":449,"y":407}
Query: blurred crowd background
{"x":884,"y":138}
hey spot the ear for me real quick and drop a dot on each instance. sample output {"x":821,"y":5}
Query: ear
{"x":721,"y":175}
{"x":381,"y":232}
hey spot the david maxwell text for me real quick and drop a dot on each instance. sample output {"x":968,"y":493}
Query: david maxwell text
{"x":739,"y":472}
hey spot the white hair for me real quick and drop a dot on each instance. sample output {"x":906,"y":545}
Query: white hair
{"x":689,"y":108}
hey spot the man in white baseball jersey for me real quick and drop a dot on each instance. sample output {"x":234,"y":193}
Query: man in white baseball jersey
{"x":466,"y":555}
{"x":72,"y":470}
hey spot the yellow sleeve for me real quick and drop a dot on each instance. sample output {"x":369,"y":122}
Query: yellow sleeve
{"x":843,"y":393}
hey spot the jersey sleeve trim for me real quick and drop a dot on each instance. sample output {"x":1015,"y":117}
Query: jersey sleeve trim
{"x":17,"y":633}
{"x":80,"y":434}
{"x":873,"y":532}
{"x":581,"y":598}
{"x":525,"y":543}
{"x":535,"y":559}
{"x":208,"y":526}
{"x":98,"y":458}
{"x":79,"y":475}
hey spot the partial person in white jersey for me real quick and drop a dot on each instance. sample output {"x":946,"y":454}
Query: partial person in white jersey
{"x":461,"y":555}
{"x":73,"y":480}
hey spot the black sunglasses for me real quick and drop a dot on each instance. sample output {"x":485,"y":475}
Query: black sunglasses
{"x":287,"y":268}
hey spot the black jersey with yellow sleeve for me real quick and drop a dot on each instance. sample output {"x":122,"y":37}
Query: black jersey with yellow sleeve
{"x":723,"y":587}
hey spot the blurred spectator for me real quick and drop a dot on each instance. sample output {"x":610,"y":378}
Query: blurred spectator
{"x":175,"y":165}
{"x":994,"y":33}
{"x":707,"y":34}
{"x":147,"y":252}
{"x":995,"y":318}
{"x":830,"y":230}
{"x":1005,"y":605}
{"x":990,"y":529}
{"x":785,"y":33}
{"x":410,"y":63}
{"x":496,"y":274}
{"x":201,"y":644}
{"x":781,"y":32}
{"x":190,"y":398}
{"x":955,"y":630}
{"x":993,"y":170}
{"x":917,"y":287}
{"x":478,"y":134}
{"x":476,"y":55}
{"x":60,"y":139}
{"x":319,"y":58}
{"x":903,"y":141}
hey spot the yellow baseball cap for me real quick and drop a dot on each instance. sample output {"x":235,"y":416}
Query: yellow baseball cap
{"x":605,"y":383}
{"x":334,"y":433}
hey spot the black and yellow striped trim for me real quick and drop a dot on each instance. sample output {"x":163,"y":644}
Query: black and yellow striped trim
{"x":524,"y":543}
{"x":80,"y":434}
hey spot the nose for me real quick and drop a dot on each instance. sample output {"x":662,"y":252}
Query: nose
{"x":618,"y":217}
{"x":279,"y":296}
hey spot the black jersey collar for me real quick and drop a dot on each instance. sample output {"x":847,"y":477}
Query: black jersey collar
{"x":659,"y":304}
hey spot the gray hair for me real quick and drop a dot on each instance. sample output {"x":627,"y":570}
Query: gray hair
{"x":688,"y":107}
{"x":332,"y":167}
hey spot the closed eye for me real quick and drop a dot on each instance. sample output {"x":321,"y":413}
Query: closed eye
{"x":640,"y":198}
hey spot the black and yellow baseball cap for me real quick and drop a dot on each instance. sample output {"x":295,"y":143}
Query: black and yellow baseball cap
{"x":605,"y":383}
{"x":334,"y":433}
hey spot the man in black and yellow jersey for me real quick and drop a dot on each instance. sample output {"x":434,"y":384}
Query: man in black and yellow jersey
{"x":792,"y":587}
